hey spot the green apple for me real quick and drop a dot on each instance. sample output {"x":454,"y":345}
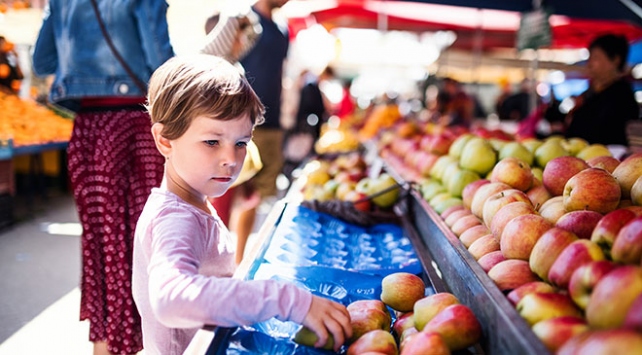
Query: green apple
{"x":449,"y":172}
{"x":440,"y":165}
{"x":478,"y":155}
{"x":307,"y":337}
{"x":459,"y":180}
{"x":458,"y":144}
{"x":594,"y":150}
{"x":531,"y":144}
{"x":381,"y":183}
{"x":549,"y":151}
{"x":517,"y":150}
{"x":441,"y":206}
{"x":574,"y":145}
{"x":431,"y":189}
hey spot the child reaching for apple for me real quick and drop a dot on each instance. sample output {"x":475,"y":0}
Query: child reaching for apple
{"x":203,"y":112}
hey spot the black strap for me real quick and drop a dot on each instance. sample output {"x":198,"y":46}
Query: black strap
{"x":139,"y":83}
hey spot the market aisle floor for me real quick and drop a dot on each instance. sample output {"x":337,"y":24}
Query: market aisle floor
{"x":40,"y":264}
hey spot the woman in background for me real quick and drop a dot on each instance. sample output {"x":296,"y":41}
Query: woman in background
{"x":609,"y":103}
{"x":113,"y":162}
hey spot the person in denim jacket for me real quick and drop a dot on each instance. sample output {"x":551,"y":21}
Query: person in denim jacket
{"x":112,"y":160}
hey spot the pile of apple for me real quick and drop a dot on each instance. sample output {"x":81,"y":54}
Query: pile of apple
{"x":345,"y":178}
{"x":566,"y":248}
{"x":435,"y":324}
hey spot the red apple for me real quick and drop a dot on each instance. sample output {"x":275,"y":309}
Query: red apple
{"x":499,"y":200}
{"x":635,"y":209}
{"x":633,"y":318}
{"x":447,"y":212}
{"x":491,"y":259}
{"x":513,"y":172}
{"x":609,"y":226}
{"x":458,"y":326}
{"x":554,"y":332}
{"x":359,"y":200}
{"x":472,"y":234}
{"x":613,"y":296}
{"x":465,"y":223}
{"x":364,"y":319}
{"x":404,"y":321}
{"x":592,"y":189}
{"x":605,"y":162}
{"x":428,"y":307}
{"x":377,"y":341}
{"x":585,"y":278}
{"x":553,"y":209}
{"x":520,"y":235}
{"x":580,"y":223}
{"x":539,"y":306}
{"x":604,"y":342}
{"x":484,"y":192}
{"x":455,"y":216}
{"x":511,"y":273}
{"x":425,"y":163}
{"x":506,"y":214}
{"x":483,"y":246}
{"x":517,"y":294}
{"x":400,"y":290}
{"x":627,"y":247}
{"x":576,"y":254}
{"x":424,"y":343}
{"x":538,"y":194}
{"x":629,"y":170}
{"x":548,"y":247}
{"x":559,"y":170}
{"x":469,"y":191}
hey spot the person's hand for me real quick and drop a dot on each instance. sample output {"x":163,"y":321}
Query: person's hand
{"x":327,"y":317}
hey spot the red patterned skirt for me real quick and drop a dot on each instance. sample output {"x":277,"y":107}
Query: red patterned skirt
{"x":113,"y":165}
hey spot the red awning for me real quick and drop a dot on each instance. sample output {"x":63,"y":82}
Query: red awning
{"x":495,"y":28}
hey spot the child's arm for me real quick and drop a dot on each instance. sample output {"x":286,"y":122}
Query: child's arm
{"x":325,"y":317}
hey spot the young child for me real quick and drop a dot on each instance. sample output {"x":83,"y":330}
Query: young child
{"x":203,"y":112}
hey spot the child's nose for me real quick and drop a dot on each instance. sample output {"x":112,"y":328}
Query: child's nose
{"x":228,"y":157}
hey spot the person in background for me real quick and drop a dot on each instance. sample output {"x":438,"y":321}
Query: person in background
{"x":604,"y":109}
{"x":203,"y":112}
{"x":517,"y":106}
{"x":263,"y":66}
{"x":10,"y":72}
{"x":112,"y":161}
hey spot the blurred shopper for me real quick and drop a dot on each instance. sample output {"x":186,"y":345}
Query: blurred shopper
{"x":263,"y":66}
{"x":10,"y":72}
{"x":603,"y":110}
{"x":204,"y":110}
{"x":517,"y":106}
{"x":454,"y":107}
{"x":231,"y":34}
{"x":113,"y":163}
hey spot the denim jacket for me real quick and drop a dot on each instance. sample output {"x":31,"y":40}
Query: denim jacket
{"x":71,"y":46}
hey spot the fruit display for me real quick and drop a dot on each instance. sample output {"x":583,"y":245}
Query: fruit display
{"x":28,"y":123}
{"x":563,"y":229}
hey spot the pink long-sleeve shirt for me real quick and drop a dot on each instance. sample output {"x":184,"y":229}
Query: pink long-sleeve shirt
{"x":182,"y":267}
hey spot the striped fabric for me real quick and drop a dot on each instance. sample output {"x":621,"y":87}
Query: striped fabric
{"x":240,"y":31}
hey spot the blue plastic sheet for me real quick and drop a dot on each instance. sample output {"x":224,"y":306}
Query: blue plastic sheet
{"x":330,"y":258}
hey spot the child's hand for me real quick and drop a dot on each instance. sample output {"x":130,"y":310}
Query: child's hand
{"x":328,"y":317}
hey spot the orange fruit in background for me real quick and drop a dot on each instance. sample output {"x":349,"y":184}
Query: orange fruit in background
{"x":20,"y":5}
{"x":3,"y":8}
{"x":4,"y":70}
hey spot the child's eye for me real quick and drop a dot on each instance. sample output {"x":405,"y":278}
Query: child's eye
{"x":241,"y":144}
{"x":211,"y":143}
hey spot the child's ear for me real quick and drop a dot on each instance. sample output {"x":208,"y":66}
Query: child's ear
{"x":162,"y":144}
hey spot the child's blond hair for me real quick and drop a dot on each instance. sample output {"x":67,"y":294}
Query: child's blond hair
{"x":186,"y":87}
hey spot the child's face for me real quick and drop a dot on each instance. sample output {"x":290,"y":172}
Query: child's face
{"x":208,"y":157}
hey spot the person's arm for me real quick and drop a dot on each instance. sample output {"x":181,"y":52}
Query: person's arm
{"x":181,"y":297}
{"x":151,"y":17}
{"x":45,"y":55}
